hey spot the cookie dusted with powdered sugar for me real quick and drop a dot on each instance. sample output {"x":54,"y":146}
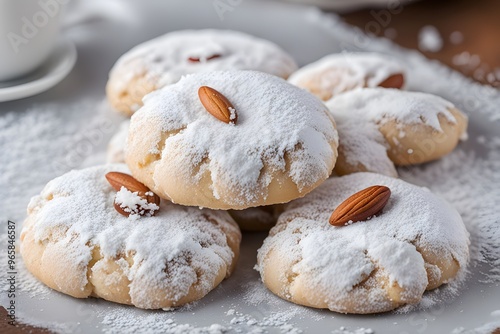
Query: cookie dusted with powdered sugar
{"x":76,"y":242}
{"x":342,"y":72}
{"x":256,"y":219}
{"x":416,"y":243}
{"x":283,"y":144}
{"x":380,"y":128}
{"x":165,"y":59}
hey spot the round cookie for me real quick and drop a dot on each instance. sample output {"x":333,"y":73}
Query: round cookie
{"x":283,"y":145}
{"x":258,"y":219}
{"x":378,"y":127}
{"x":74,"y":241}
{"x":341,"y":72}
{"x":164,"y":60}
{"x":116,"y":146}
{"x":417,"y":243}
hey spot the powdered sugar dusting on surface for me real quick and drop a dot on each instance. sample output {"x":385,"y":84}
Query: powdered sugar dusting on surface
{"x":275,"y":119}
{"x":429,"y":39}
{"x":341,"y":72}
{"x":39,"y":144}
{"x":469,"y":183}
{"x":128,"y":322}
{"x":344,"y":330}
{"x":166,"y":58}
{"x":116,"y":146}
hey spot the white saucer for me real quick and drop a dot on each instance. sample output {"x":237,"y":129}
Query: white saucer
{"x":55,"y":69}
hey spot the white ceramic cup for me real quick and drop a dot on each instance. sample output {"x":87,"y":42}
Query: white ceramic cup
{"x":28,"y":34}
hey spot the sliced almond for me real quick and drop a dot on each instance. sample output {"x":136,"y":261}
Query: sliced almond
{"x":217,"y":105}
{"x":361,"y":206}
{"x":119,"y":180}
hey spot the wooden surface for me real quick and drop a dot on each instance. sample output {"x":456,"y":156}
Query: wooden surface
{"x":478,"y":21}
{"x":6,"y":328}
{"x":477,"y":56}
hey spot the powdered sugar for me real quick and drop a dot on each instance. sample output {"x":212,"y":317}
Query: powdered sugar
{"x":359,"y":113}
{"x":344,"y":330}
{"x":116,"y":146}
{"x":134,"y":204}
{"x":429,"y":39}
{"x":362,"y":143}
{"x":80,"y":204}
{"x":119,"y":322}
{"x":469,"y":183}
{"x":281,"y":129}
{"x":39,"y":144}
{"x":378,"y":105}
{"x":338,"y":73}
{"x":166,"y":58}
{"x":315,"y":251}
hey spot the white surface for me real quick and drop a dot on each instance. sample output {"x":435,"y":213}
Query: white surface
{"x":240,"y":302}
{"x":55,"y":69}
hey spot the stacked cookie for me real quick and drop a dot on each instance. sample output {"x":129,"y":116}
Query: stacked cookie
{"x":215,"y":126}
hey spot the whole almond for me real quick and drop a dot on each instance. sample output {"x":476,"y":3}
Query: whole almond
{"x":361,"y":206}
{"x":119,"y":180}
{"x":394,"y":81}
{"x":217,"y":105}
{"x":121,"y":210}
{"x":198,"y":59}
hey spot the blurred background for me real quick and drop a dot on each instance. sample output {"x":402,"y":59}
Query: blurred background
{"x":463,"y":34}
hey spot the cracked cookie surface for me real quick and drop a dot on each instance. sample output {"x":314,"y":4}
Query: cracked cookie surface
{"x":417,"y":243}
{"x":164,"y":60}
{"x":74,"y":241}
{"x":283,"y":145}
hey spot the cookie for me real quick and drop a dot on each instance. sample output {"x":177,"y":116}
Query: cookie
{"x":116,"y":146}
{"x":381,"y":127}
{"x":74,"y":241}
{"x":259,"y":219}
{"x":165,"y":59}
{"x":283,"y":145}
{"x":256,"y":219}
{"x":342,"y":72}
{"x":417,"y":243}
